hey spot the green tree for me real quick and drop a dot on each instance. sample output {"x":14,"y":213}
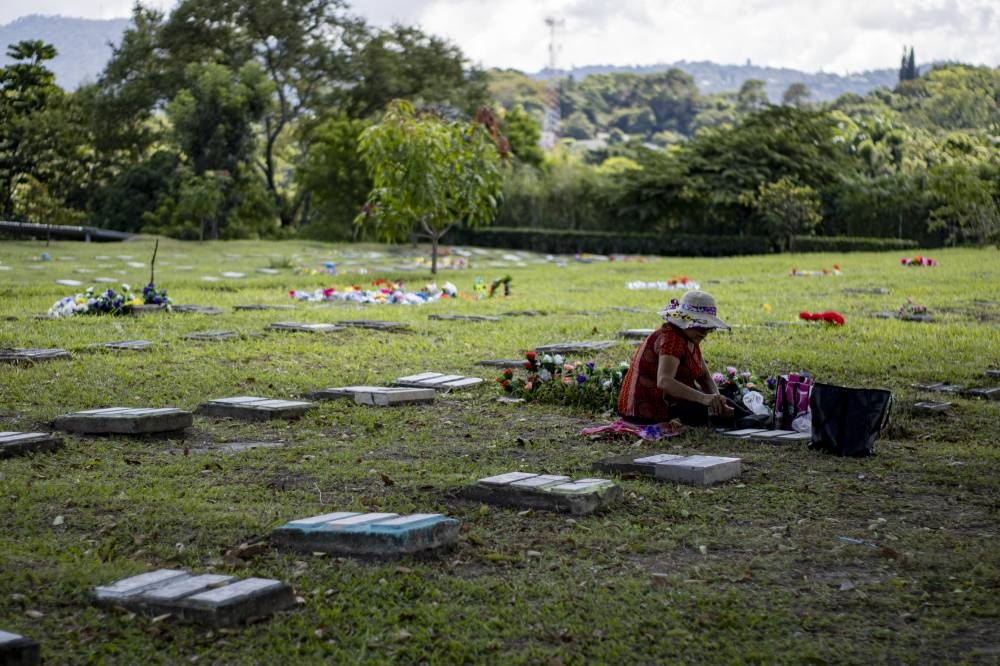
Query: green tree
{"x":965,"y":201}
{"x":430,"y":174}
{"x":751,"y":96}
{"x":908,"y":66}
{"x":797,"y":95}
{"x":523,"y":133}
{"x":788,"y":209}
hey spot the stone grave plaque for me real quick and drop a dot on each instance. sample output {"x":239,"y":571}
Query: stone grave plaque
{"x":213,"y":600}
{"x":929,"y":386}
{"x":699,"y":470}
{"x":234,"y":275}
{"x":212,"y":335}
{"x":368,"y":534}
{"x":438,"y":381}
{"x":522,"y":313}
{"x":931,"y":406}
{"x":252,"y":408}
{"x":993,"y":372}
{"x":516,"y":489}
{"x":636,"y":333}
{"x":745,"y":433}
{"x":575,"y":347}
{"x":263,"y":306}
{"x":793,"y":437}
{"x":867,"y":290}
{"x":374,"y":324}
{"x":379,"y":396}
{"x":196,"y":309}
{"x":992,"y":393}
{"x":768,"y":435}
{"x":502,"y":363}
{"x":304,"y":328}
{"x":70,"y":283}
{"x":126,"y":345}
{"x":457,"y":317}
{"x":104,"y":280}
{"x":20,"y":443}
{"x":16,"y":650}
{"x":782,"y":324}
{"x":268,"y":271}
{"x":917,"y":317}
{"x":885,"y":315}
{"x":125,"y":420}
{"x":632,"y":464}
{"x":19,"y":355}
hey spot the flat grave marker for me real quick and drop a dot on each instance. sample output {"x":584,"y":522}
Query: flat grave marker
{"x":19,"y":355}
{"x":212,"y":335}
{"x":196,"y":309}
{"x":126,"y":345}
{"x":21,"y":443}
{"x":502,"y":363}
{"x":699,"y":470}
{"x":636,"y":333}
{"x":867,"y":290}
{"x":632,"y":464}
{"x":990,"y":393}
{"x":263,"y":306}
{"x":437,"y":381}
{"x":299,"y":327}
{"x":268,"y":271}
{"x":772,"y":434}
{"x":70,"y":283}
{"x":575,"y":347}
{"x":16,"y":650}
{"x":233,"y":275}
{"x":368,"y":534}
{"x":253,"y":408}
{"x":457,"y":317}
{"x":743,"y":433}
{"x":931,"y":406}
{"x":145,"y":309}
{"x":993,"y":372}
{"x":379,"y":396}
{"x":374,"y":324}
{"x":522,"y":313}
{"x":125,"y":420}
{"x":549,"y":493}
{"x":213,"y":600}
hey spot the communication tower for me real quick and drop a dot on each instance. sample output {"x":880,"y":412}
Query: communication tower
{"x":550,"y":125}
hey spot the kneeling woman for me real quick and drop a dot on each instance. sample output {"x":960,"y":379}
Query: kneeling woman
{"x":668,"y":378}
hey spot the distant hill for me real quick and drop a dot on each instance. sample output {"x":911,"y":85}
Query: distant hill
{"x":712,"y":78}
{"x":83,"y":44}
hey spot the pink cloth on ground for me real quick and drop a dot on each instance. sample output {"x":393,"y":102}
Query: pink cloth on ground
{"x":622,"y":427}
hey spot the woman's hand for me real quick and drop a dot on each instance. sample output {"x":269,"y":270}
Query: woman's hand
{"x":716,"y":404}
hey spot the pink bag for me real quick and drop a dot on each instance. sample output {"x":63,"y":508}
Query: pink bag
{"x":791,"y":399}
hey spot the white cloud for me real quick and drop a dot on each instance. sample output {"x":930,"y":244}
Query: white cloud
{"x":832,"y":35}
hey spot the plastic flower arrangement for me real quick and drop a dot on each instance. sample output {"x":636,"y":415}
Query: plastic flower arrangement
{"x":918,"y":261}
{"x":106,"y":302}
{"x":735,"y":383}
{"x":551,"y":379}
{"x":830,"y":317}
{"x":823,"y":271}
{"x":678,"y":283}
{"x":914,"y":311}
{"x":383,"y":292}
{"x":153,"y":296}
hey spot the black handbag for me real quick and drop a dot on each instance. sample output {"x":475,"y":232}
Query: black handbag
{"x":847,"y":421}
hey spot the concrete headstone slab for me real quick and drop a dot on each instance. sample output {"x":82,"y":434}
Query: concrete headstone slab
{"x":125,"y":420}
{"x":867,"y":290}
{"x":268,"y":271}
{"x":993,"y":372}
{"x":794,"y":437}
{"x":632,"y":464}
{"x":16,"y":650}
{"x":575,"y":347}
{"x":378,"y":396}
{"x":263,"y":306}
{"x":699,"y":470}
{"x":374,"y":324}
{"x":19,"y":355}
{"x":70,"y":283}
{"x":520,"y":489}
{"x":502,"y":363}
{"x":636,"y":333}
{"x":991,"y":393}
{"x":126,"y":345}
{"x":438,"y":381}
{"x":771,"y":434}
{"x":213,"y":600}
{"x":931,"y":406}
{"x":522,"y":313}
{"x":145,"y":309}
{"x":212,"y":335}
{"x":253,"y":408}
{"x":456,"y":317}
{"x":21,"y":443}
{"x":368,"y":534}
{"x":196,"y":309}
{"x":304,"y":328}
{"x":744,"y":433}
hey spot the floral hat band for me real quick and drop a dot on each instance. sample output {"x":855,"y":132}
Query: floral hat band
{"x":696,"y":309}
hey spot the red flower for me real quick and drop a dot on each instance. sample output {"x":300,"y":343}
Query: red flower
{"x":508,"y":373}
{"x":531,"y":356}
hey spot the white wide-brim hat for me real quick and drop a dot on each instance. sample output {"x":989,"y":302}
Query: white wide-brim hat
{"x":696,"y":309}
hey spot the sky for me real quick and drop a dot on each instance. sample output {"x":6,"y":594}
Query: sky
{"x":836,"y":36}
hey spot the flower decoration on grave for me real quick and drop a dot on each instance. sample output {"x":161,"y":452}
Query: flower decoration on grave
{"x":550,"y":378}
{"x":918,"y":260}
{"x":675,"y":283}
{"x":382,"y":291}
{"x":914,"y":311}
{"x":829,"y":317}
{"x":735,"y":383}
{"x":153,"y":296}
{"x":105,"y":301}
{"x":823,"y":271}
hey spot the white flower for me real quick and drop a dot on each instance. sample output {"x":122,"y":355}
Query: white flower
{"x":558,"y":359}
{"x":544,"y":375}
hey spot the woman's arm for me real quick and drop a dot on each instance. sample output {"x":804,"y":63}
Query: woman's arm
{"x":666,"y":373}
{"x":705,"y":380}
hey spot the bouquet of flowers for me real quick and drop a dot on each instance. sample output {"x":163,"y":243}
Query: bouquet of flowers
{"x":550,"y":379}
{"x":913,"y":311}
{"x":735,"y":384}
{"x":109,"y":301}
{"x":676,"y":283}
{"x":383,"y":291}
{"x":823,"y":271}
{"x":918,"y":261}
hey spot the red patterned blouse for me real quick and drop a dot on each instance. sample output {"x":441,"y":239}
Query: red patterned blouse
{"x":640,"y":399}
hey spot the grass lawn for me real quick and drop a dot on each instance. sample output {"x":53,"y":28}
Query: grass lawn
{"x":747,"y":571}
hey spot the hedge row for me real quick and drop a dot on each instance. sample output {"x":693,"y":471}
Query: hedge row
{"x":562,"y":241}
